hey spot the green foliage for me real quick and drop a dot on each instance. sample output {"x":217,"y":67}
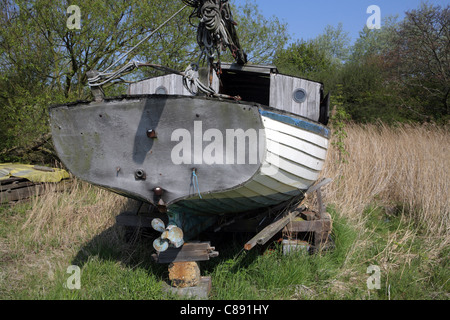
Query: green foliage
{"x":338,"y":120}
{"x":374,"y":42}
{"x":259,"y":36}
{"x":301,"y":59}
{"x":412,"y":265}
{"x":412,"y":274}
{"x":421,"y":58}
{"x":399,"y":73}
{"x":334,"y":42}
{"x":367,"y":94}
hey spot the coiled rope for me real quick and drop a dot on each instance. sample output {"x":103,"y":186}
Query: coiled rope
{"x":216,"y":29}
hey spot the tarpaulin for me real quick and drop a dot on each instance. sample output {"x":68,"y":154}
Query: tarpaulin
{"x":32,"y":172}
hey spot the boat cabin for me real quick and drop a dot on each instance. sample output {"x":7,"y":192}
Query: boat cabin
{"x":253,"y":83}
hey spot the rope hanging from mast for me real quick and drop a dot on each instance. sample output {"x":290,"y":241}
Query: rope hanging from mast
{"x":216,"y":30}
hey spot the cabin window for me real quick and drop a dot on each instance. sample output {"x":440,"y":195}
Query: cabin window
{"x":299,"y":95}
{"x":161,"y":90}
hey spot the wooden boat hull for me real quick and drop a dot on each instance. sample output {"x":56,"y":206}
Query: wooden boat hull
{"x":209,"y":157}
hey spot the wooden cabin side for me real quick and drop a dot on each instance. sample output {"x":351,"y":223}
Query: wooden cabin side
{"x":253,"y":83}
{"x":171,"y":84}
{"x":295,"y":95}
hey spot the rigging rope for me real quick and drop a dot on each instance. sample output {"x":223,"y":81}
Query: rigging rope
{"x":214,"y":34}
{"x":195,"y":183}
{"x":146,"y":38}
{"x":191,"y":79}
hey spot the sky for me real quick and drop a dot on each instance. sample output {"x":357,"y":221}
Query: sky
{"x":307,"y":19}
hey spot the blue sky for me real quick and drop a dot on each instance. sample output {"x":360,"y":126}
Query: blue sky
{"x":308,"y":18}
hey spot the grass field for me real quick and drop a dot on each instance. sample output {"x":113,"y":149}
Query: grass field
{"x":389,"y":202}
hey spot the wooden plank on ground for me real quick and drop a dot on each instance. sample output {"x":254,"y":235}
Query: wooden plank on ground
{"x":21,"y":193}
{"x":11,"y":193}
{"x":16,"y":185}
{"x":271,"y":230}
{"x":11,"y":180}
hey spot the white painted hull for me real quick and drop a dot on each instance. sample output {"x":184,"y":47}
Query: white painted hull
{"x":293,"y":161}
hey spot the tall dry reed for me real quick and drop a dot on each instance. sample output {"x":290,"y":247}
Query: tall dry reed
{"x":407,"y":166}
{"x":73,"y":216}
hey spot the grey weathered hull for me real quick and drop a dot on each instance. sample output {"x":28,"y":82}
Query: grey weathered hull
{"x":106,"y":143}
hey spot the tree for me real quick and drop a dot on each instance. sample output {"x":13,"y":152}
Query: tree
{"x":301,"y":58}
{"x":368,"y":94}
{"x":260,"y":37}
{"x":421,"y":60}
{"x":374,"y":42}
{"x":335,"y":42}
{"x":319,"y":59}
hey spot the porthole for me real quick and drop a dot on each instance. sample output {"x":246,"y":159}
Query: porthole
{"x":299,"y":95}
{"x":161,"y":90}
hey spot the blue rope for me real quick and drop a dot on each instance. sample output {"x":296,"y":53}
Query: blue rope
{"x":195,"y":181}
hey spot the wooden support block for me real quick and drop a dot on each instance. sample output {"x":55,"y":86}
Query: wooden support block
{"x":308,"y":215}
{"x":15,"y":184}
{"x":309,"y":226}
{"x":320,"y":238}
{"x":201,"y":251}
{"x":321,"y":230}
{"x":322,"y":209}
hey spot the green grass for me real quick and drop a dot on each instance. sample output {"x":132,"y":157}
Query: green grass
{"x":412,"y":266}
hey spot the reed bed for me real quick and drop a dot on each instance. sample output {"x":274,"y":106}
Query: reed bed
{"x":405,"y":168}
{"x":74,"y":216}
